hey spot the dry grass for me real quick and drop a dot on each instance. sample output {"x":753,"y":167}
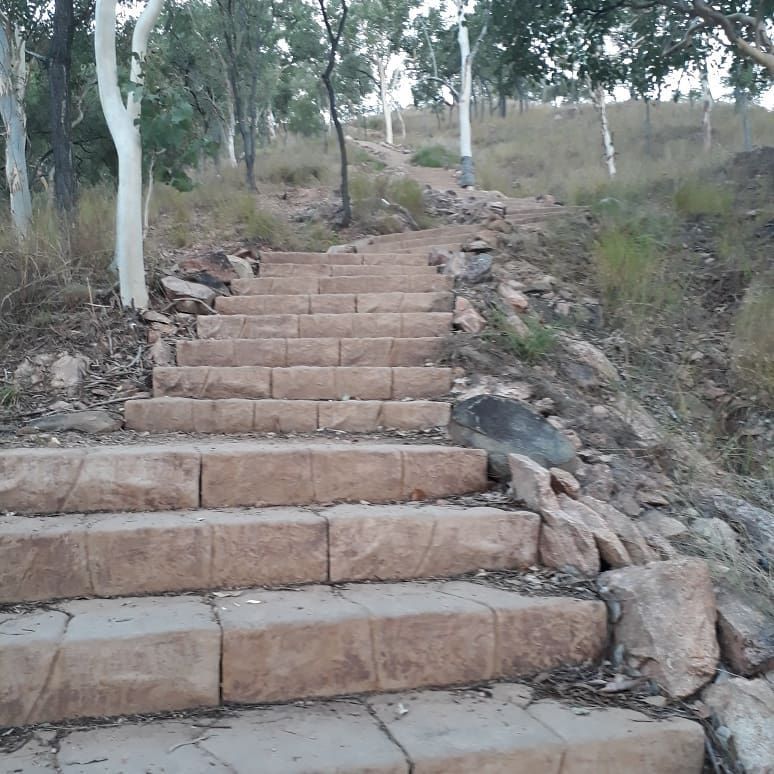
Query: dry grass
{"x":537,"y":152}
{"x":754,"y":338}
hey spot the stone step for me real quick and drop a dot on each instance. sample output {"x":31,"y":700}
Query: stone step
{"x":398,"y":283}
{"x":453,"y":230}
{"x":337,"y":270}
{"x":312,"y":352}
{"x":92,"y":657}
{"x":351,"y":259}
{"x":407,"y":325}
{"x":335,"y":303}
{"x":224,"y":474}
{"x":238,"y":415}
{"x":43,"y":558}
{"x":302,"y":382}
{"x":426,"y":245}
{"x":497,"y":731}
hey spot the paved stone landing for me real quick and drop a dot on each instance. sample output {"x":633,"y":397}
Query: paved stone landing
{"x":427,"y":732}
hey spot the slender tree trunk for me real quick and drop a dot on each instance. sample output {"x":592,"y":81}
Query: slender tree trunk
{"x":148,"y":197}
{"x":744,"y":112}
{"x":334,"y":39}
{"x":59,"y":61}
{"x":384,"y":93}
{"x":502,"y":105}
{"x":467,"y":177}
{"x":706,"y":120}
{"x":598,"y":96}
{"x":122,"y":121}
{"x":648,"y":130}
{"x":399,"y":113}
{"x":13,"y":86}
{"x":228,"y":132}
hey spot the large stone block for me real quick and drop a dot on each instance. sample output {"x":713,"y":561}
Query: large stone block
{"x":294,"y":645}
{"x":422,"y":636}
{"x":212,"y":383}
{"x":536,"y":633}
{"x":109,"y":657}
{"x":392,"y":542}
{"x":101,"y":478}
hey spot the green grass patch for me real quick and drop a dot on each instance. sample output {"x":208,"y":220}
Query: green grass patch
{"x":696,"y":198}
{"x":434,"y":156}
{"x":538,"y":342}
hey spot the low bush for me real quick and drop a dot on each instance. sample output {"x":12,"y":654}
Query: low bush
{"x":434,"y":156}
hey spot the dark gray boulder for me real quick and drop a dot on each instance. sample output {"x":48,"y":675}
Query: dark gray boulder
{"x":477,"y":269}
{"x":504,"y":426}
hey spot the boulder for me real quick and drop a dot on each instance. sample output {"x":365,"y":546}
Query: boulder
{"x":89,"y":421}
{"x":661,"y":524}
{"x":609,"y":547}
{"x":717,"y":534}
{"x":455,"y":265}
{"x":757,"y":523}
{"x":746,"y":709}
{"x":592,"y":357}
{"x":746,"y":634}
{"x":67,"y":372}
{"x":466,"y":318}
{"x":567,"y":543}
{"x":477,"y":268}
{"x":515,"y":299}
{"x":630,"y":536}
{"x":241,"y":266}
{"x":215,"y":266}
{"x":341,"y":249}
{"x":476,"y":246}
{"x":667,"y":621}
{"x":563,"y":481}
{"x":504,"y":426}
{"x":190,"y":297}
{"x":531,"y":484}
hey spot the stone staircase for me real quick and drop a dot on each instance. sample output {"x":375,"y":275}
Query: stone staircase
{"x":117,"y":562}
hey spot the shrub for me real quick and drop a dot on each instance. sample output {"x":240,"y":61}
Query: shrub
{"x":696,"y":198}
{"x":754,"y":338}
{"x":434,"y":156}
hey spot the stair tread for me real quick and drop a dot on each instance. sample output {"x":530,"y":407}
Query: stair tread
{"x":325,"y":351}
{"x":346,"y":325}
{"x":395,"y":282}
{"x":455,"y":732}
{"x":124,"y":554}
{"x":244,"y":415}
{"x":278,"y":645}
{"x":327,"y":303}
{"x":302,"y":382}
{"x":223,"y":474}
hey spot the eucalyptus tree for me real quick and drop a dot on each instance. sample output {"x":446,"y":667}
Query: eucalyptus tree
{"x":334,"y":16}
{"x":249,"y":38}
{"x":16,"y":24}
{"x":123,"y":122}
{"x":380,"y":27}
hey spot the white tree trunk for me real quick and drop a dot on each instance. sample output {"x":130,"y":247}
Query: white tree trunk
{"x":122,"y":123}
{"x":706,"y":120}
{"x":467,"y":179}
{"x":228,"y":129}
{"x":402,"y":123}
{"x":598,"y":97}
{"x":384,"y":92}
{"x":13,"y":86}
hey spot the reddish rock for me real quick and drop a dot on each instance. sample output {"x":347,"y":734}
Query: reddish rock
{"x":667,"y":621}
{"x":467,"y":318}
